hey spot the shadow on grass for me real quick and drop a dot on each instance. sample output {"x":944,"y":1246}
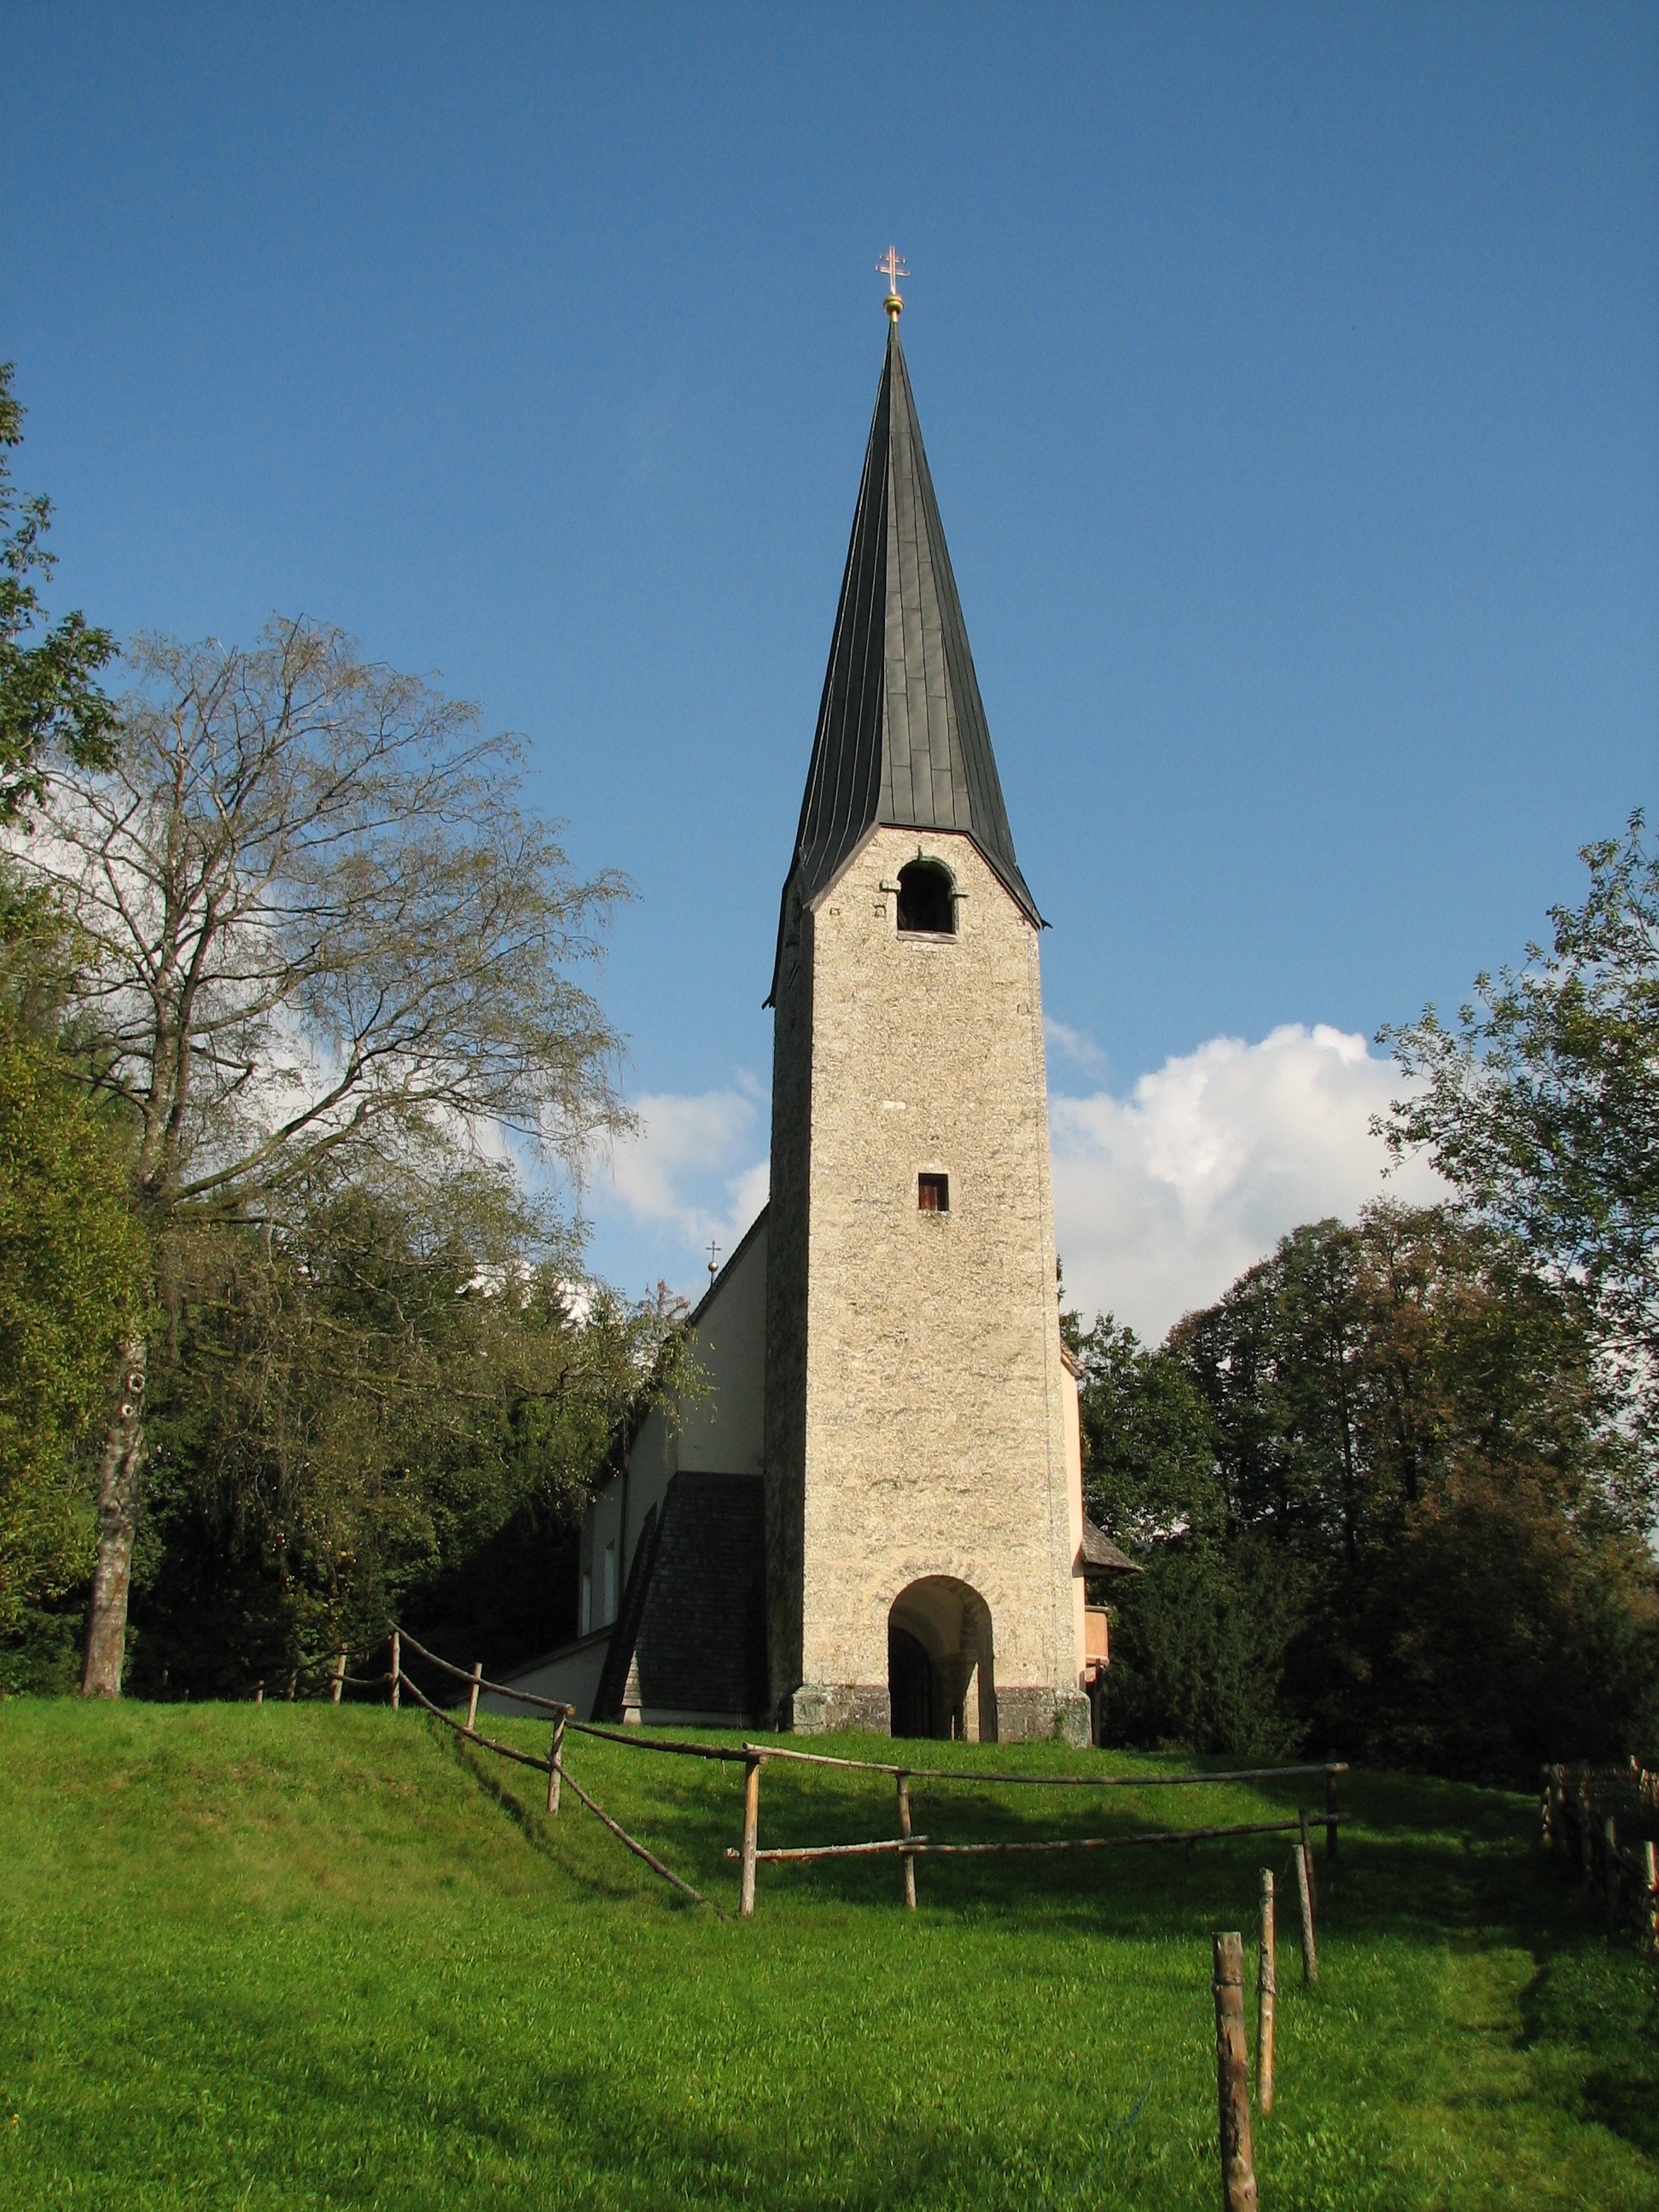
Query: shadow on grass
{"x":536,"y":1828}
{"x":1582,"y":1998}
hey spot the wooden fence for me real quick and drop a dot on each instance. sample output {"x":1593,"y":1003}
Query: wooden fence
{"x":1604,"y":1822}
{"x":906,"y":1846}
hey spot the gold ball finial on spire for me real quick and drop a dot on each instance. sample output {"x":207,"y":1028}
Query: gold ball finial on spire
{"x":892,"y":268}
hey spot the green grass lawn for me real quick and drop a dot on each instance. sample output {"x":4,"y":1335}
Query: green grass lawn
{"x":287,"y":1955}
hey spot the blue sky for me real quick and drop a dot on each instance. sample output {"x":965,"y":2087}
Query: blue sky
{"x":1291,"y":380}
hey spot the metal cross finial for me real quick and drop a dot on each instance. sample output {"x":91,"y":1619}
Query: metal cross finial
{"x":892,"y":268}
{"x":714,"y":1259}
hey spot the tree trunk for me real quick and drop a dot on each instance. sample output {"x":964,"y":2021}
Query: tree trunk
{"x":118,"y":1522}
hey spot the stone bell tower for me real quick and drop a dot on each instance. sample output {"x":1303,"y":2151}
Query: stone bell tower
{"x":922,"y":1529}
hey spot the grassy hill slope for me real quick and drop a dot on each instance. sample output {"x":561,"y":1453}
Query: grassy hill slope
{"x":285,"y":1956}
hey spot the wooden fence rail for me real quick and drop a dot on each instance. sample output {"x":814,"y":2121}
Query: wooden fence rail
{"x":920,"y":1846}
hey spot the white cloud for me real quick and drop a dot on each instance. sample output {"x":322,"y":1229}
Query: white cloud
{"x":1163,"y":1198}
{"x":691,"y":1169}
{"x":1075,"y":1045}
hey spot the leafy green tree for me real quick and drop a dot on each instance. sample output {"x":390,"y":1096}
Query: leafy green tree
{"x":51,"y":701}
{"x":72,"y":1267}
{"x":1201,"y":1636}
{"x":1541,"y":1105}
{"x":323,"y":944}
{"x":1393,"y":1413}
{"x":393,"y":1407}
{"x":1149,"y":1439}
{"x":1202,"y":1640}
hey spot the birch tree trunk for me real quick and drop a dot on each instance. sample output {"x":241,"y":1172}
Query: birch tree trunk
{"x":118,"y":1522}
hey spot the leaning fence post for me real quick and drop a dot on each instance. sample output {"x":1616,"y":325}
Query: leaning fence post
{"x":473,"y":1699}
{"x":1330,"y":1812}
{"x":555,"y":1762}
{"x":751,"y":1774}
{"x":1304,"y":1894}
{"x":397,"y":1668}
{"x":908,"y":1859}
{"x":1307,"y":1853}
{"x":1266,"y":1989}
{"x":1650,"y":1901}
{"x":338,"y":1681}
{"x":1231,"y":2082}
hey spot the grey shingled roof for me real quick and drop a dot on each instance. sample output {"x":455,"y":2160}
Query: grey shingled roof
{"x":901,"y":740}
{"x":1101,"y":1554}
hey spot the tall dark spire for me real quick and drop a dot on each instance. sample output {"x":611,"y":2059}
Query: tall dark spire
{"x":901,"y":740}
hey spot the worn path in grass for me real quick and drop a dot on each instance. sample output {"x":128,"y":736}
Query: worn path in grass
{"x":285,"y":1956}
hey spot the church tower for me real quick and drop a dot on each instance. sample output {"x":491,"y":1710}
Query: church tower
{"x":923,"y":1513}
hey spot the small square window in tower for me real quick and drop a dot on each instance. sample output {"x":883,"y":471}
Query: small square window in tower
{"x":933,"y":1194}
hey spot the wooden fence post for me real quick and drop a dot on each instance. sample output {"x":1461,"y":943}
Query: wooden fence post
{"x":1266,"y":1989}
{"x":1231,"y":2077}
{"x":338,"y":1681}
{"x":1651,"y":1902}
{"x":1304,"y":1893}
{"x":751,"y":1774}
{"x":472,"y":1698}
{"x":1585,"y":1823}
{"x":293,"y":1684}
{"x":397,"y":1669}
{"x":908,"y":1858}
{"x":259,"y":1694}
{"x":555,"y":1762}
{"x":1612,"y":1883}
{"x":1307,"y":1853}
{"x":1330,"y":1813}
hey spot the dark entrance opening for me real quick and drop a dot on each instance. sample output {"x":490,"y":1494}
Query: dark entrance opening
{"x":927,"y":905}
{"x":910,"y":1684}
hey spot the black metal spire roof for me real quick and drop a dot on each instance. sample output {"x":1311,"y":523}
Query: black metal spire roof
{"x":901,"y":741}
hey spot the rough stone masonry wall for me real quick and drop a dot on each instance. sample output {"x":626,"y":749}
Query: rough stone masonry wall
{"x":931,"y":1438}
{"x":786,"y":1311}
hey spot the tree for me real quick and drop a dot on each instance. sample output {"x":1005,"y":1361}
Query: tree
{"x":1541,"y":1107}
{"x":324,"y":944}
{"x":51,"y":702}
{"x":1385,"y":1501}
{"x":72,"y":1289}
{"x":1149,"y":1439}
{"x":390,"y":1410}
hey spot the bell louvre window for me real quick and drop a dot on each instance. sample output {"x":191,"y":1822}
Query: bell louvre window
{"x":933,"y":1194}
{"x":926,"y":903}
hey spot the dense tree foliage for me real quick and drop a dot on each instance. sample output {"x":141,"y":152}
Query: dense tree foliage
{"x":71,"y":1287}
{"x":52,"y":703}
{"x":1542,"y":1106}
{"x":392,"y":1409}
{"x":1386,"y":1505}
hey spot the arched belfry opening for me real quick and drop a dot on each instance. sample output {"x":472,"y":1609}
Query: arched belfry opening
{"x":940,"y":1680}
{"x":926,"y":900}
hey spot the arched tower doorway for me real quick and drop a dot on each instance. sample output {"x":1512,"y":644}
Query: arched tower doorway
{"x":940,"y":1680}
